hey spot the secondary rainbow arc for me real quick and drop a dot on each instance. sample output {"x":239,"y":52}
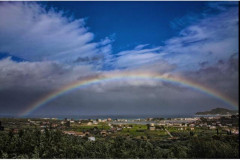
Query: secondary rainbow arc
{"x":126,"y":76}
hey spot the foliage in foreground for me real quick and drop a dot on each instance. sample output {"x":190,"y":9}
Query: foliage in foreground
{"x":54,"y":144}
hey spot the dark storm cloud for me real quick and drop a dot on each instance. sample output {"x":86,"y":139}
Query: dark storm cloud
{"x":222,"y":77}
{"x":22,"y":87}
{"x":40,"y":74}
{"x":131,"y":100}
{"x":23,"y":83}
{"x":14,"y":100}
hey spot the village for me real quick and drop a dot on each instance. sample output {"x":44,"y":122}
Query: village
{"x":158,"y":128}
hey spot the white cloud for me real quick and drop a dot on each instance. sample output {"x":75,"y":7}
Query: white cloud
{"x":29,"y":31}
{"x":210,"y":38}
{"x":141,"y":46}
{"x":137,"y":57}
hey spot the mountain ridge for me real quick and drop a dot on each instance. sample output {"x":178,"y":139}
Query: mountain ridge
{"x":220,"y":111}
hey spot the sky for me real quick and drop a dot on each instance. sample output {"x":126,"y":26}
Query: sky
{"x":45,"y":46}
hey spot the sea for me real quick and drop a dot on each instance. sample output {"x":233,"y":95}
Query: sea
{"x":76,"y":117}
{"x":113,"y":117}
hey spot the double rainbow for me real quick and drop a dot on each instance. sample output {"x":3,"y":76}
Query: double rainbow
{"x":127,"y":76}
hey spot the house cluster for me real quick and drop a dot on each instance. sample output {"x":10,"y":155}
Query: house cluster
{"x":226,"y":123}
{"x":86,"y":121}
{"x":219,"y":121}
{"x":81,"y":134}
{"x":46,"y":123}
{"x":109,"y":131}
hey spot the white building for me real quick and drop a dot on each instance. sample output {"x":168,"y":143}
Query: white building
{"x":212,"y":127}
{"x":91,"y":138}
{"x":89,"y":123}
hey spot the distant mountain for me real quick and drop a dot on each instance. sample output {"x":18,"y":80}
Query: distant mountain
{"x":220,"y":111}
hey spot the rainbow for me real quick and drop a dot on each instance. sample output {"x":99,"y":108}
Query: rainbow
{"x":127,"y":76}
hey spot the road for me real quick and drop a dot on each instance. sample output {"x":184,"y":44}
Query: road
{"x":168,"y":132}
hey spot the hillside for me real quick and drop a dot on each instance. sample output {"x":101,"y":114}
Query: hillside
{"x":221,"y":111}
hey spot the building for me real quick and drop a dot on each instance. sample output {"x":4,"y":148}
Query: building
{"x":192,"y":125}
{"x":169,"y":124}
{"x":212,"y":127}
{"x":152,"y":124}
{"x":95,"y":122}
{"x":69,"y":132}
{"x":149,"y":119}
{"x":99,"y":120}
{"x":54,"y":125}
{"x":177,"y":124}
{"x":104,"y":120}
{"x":91,"y":138}
{"x":119,"y":128}
{"x":235,"y":131}
{"x":103,"y":132}
{"x":151,"y":127}
{"x":86,"y":133}
{"x":161,"y":124}
{"x":89,"y":123}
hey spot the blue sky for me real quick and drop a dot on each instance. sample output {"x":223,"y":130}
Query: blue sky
{"x":131,"y":23}
{"x":47,"y":45}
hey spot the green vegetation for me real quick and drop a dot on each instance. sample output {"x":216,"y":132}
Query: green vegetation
{"x":140,"y":131}
{"x":49,"y":138}
{"x":85,"y":127}
{"x":32,"y":143}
